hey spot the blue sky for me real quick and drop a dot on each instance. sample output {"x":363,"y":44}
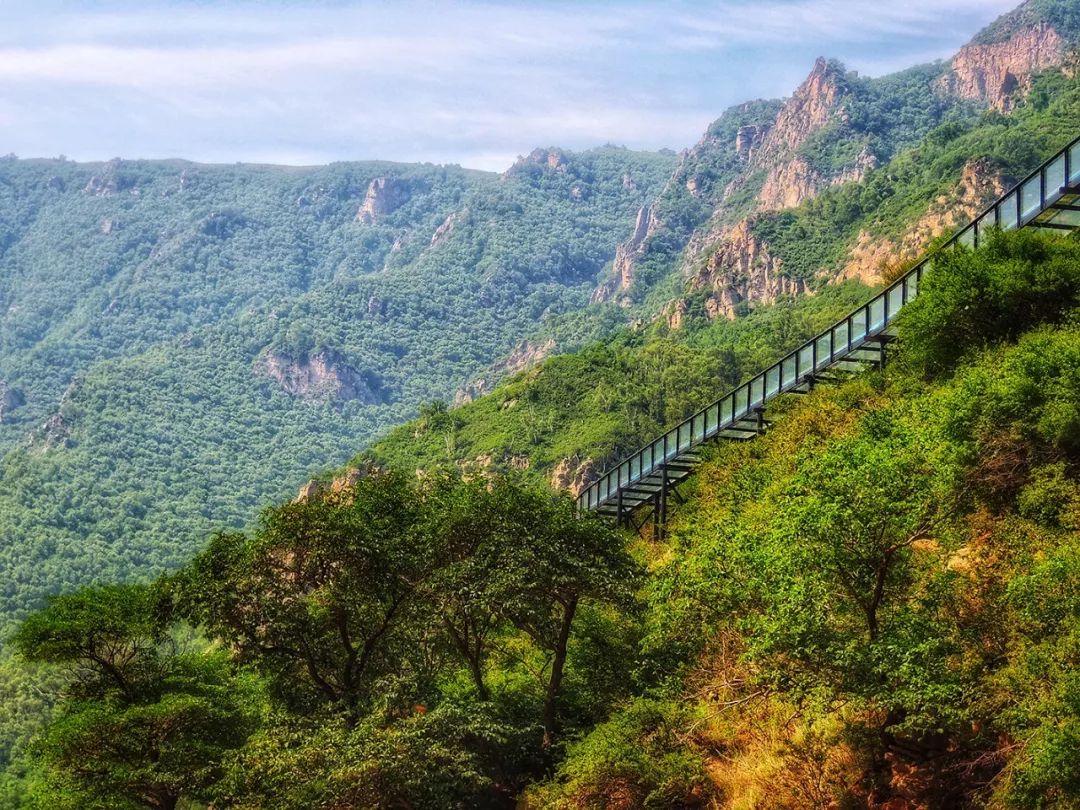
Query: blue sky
{"x":474,"y":83}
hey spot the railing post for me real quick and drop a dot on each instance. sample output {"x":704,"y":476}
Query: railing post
{"x":663,"y":500}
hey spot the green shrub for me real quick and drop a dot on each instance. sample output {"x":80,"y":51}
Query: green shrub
{"x":972,"y":299}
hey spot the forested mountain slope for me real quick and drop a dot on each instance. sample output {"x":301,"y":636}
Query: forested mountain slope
{"x":180,"y":343}
{"x":568,"y":417}
{"x":873,"y":605}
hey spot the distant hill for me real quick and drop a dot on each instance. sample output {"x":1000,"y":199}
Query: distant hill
{"x":181,"y":343}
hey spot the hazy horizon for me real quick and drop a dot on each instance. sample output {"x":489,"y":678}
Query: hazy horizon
{"x":474,"y":84}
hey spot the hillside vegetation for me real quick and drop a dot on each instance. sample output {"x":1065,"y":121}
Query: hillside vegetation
{"x":870,"y":604}
{"x":190,"y":342}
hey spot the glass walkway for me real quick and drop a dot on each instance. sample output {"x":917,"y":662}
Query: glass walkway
{"x":641,"y":484}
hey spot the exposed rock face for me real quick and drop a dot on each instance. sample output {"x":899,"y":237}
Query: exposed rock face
{"x":787,"y":185}
{"x":993,"y":73}
{"x":676,"y":314}
{"x":749,"y":138}
{"x":525,"y":355}
{"x":553,"y":159}
{"x":10,"y":399}
{"x":793,"y":182}
{"x":309,"y":492}
{"x":741,"y":270}
{"x":808,"y":110}
{"x":790,"y":180}
{"x":110,"y":181}
{"x":54,"y":432}
{"x":384,"y":195}
{"x":340,"y":486}
{"x":321,"y":376}
{"x":574,"y":475}
{"x":447,"y":228}
{"x":622,"y":271}
{"x":871,"y":259}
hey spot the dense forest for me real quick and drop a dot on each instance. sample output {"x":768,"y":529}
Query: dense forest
{"x":874,"y":601}
{"x":871,"y":605}
{"x":189,"y":342}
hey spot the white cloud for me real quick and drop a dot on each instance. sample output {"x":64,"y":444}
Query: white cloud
{"x":447,"y":82}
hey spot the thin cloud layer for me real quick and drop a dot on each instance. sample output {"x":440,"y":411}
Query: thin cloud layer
{"x":468,"y":83}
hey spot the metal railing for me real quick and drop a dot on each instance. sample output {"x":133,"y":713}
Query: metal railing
{"x":1020,"y":206}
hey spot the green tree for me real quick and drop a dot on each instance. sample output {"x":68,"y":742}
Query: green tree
{"x":320,"y":596}
{"x":549,"y":561}
{"x":147,"y":719}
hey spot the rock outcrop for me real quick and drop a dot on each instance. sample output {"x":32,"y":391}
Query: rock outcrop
{"x":574,"y":475}
{"x":741,"y":270}
{"x":524,"y":356}
{"x":998,"y":73}
{"x":622,"y":270}
{"x":384,"y":196}
{"x":553,"y":159}
{"x":793,"y":182}
{"x":10,"y":399}
{"x":810,"y":108}
{"x":675,"y":314}
{"x":443,"y":232}
{"x":321,"y":376}
{"x":340,"y":486}
{"x":872,"y":260}
{"x":749,"y":138}
{"x":110,"y":181}
{"x":789,"y":179}
{"x":54,"y":432}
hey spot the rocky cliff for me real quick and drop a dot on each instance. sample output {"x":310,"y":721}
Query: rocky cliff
{"x":789,"y":177}
{"x":810,"y":107}
{"x":626,"y":254}
{"x":741,"y":270}
{"x":575,"y":475}
{"x":320,"y":376}
{"x":551,"y":158}
{"x":748,"y":160}
{"x":835,"y":129}
{"x":998,"y":73}
{"x":525,"y":355}
{"x":793,"y":182}
{"x":874,"y":259}
{"x":384,"y":195}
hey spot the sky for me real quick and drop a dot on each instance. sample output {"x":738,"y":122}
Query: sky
{"x":472,"y":83}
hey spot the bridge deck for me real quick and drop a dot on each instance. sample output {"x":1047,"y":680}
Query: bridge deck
{"x":1048,"y":198}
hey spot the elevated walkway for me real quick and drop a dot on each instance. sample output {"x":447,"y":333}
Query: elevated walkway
{"x":638,"y":489}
